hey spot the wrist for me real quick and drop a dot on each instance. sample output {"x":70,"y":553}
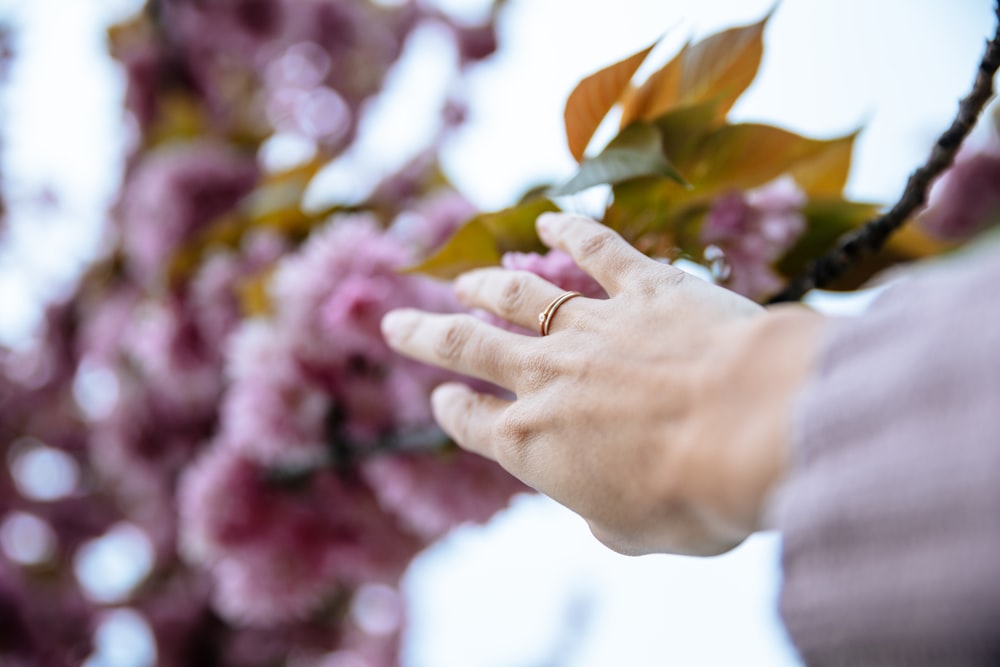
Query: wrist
{"x":756,"y":377}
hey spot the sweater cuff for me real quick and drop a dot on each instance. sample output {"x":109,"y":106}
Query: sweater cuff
{"x":890,"y":514}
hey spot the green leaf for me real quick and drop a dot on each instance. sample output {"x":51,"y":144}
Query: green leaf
{"x":683,"y":130}
{"x":636,"y":151}
{"x":485,"y":238}
{"x":649,"y":214}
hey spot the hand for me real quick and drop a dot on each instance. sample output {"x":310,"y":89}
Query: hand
{"x":660,"y":414}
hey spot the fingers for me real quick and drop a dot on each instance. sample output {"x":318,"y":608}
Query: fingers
{"x":460,"y":343}
{"x":597,"y":249}
{"x":516,"y":296}
{"x":470,"y":418}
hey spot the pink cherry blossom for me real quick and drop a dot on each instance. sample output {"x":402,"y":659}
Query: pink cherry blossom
{"x":750,"y":231}
{"x":279,"y":548}
{"x":967,"y":198}
{"x":174,"y":192}
{"x":558,"y":268}
{"x":434,"y":492}
{"x":270,"y":412}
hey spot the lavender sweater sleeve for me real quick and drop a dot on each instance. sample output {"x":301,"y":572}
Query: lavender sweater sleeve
{"x":891,"y":514}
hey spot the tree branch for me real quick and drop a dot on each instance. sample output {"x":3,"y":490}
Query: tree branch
{"x":870,"y":238}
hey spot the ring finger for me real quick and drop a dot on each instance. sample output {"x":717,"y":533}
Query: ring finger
{"x":516,"y":296}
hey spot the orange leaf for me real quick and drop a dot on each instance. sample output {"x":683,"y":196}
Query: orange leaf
{"x":722,"y":66}
{"x":657,"y":95}
{"x":593,"y":97}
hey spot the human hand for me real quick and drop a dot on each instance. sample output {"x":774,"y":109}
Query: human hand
{"x":658,"y":414}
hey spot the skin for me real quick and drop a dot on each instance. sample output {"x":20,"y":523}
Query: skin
{"x":661,"y":415}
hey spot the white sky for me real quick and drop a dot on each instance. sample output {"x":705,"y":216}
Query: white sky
{"x":497,"y":596}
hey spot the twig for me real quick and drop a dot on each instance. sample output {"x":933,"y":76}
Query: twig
{"x":870,"y":238}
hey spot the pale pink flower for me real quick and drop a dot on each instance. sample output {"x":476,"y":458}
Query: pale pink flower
{"x":317,"y":60}
{"x":173,"y":193}
{"x":271,"y":413}
{"x":104,"y":322}
{"x":214,"y":297}
{"x":166,"y":347}
{"x":330,"y":300}
{"x":435,"y":491}
{"x":967,"y":198}
{"x":750,"y":231}
{"x":558,"y":268}
{"x":138,"y":450}
{"x":428,"y":224}
{"x":278,"y":549}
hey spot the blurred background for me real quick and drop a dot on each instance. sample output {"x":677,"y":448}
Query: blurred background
{"x":530,"y":588}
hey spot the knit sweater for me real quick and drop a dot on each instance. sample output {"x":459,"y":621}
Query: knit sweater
{"x":890,"y":515}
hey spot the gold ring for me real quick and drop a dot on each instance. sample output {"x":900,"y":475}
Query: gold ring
{"x":545,"y":317}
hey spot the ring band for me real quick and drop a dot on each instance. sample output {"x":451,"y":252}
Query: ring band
{"x":545,"y":317}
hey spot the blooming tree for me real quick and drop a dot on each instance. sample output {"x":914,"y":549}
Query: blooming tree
{"x":218,"y":381}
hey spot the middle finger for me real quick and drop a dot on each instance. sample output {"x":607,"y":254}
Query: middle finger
{"x":461,"y":343}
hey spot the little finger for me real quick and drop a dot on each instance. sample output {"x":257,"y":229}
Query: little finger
{"x":469,"y":417}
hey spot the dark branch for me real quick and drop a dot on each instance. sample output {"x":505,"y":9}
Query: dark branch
{"x":870,"y":238}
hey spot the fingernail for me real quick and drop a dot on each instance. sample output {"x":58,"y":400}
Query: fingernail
{"x":463,"y":284}
{"x":396,"y":322}
{"x":545,"y":224}
{"x":445,"y":395}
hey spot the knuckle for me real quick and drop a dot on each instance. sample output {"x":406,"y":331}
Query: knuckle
{"x":451,"y":345}
{"x":606,"y":538}
{"x":515,"y":434}
{"x":673,"y":278}
{"x":662,"y":280}
{"x":537,"y":371}
{"x":596,"y":243}
{"x":513,"y":294}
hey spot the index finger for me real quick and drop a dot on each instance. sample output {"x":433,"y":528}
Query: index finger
{"x":597,"y":249}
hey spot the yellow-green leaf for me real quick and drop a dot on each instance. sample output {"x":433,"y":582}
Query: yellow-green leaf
{"x":253,"y":296}
{"x":471,"y":247}
{"x":594,"y":96}
{"x":636,"y":151}
{"x":740,"y":157}
{"x":483,"y":240}
{"x":722,"y":66}
{"x":825,"y":174}
{"x":279,"y":195}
